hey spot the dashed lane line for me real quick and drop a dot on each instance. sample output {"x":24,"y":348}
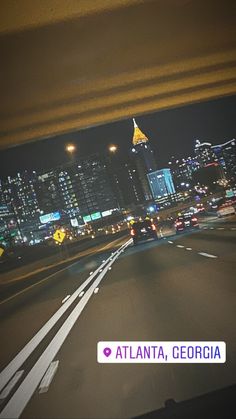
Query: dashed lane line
{"x":207,"y":255}
{"x":6,"y":391}
{"x":48,"y":377}
{"x":65,"y":299}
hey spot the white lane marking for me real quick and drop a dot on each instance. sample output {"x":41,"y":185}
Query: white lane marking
{"x":211,"y":228}
{"x":109,"y":268}
{"x":66,"y":298}
{"x":49,"y":276}
{"x":180,"y":246}
{"x":205,"y":228}
{"x":233,"y":228}
{"x":96,"y":290}
{"x":81,"y":294}
{"x":11,"y":384}
{"x":47,"y":379}
{"x":189,"y":248}
{"x":25,"y":352}
{"x":220,"y":228}
{"x":25,"y":391}
{"x":207,"y":255}
{"x":169,"y":241}
{"x":91,"y":273}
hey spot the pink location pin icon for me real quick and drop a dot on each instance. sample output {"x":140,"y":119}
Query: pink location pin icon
{"x":107,"y":352}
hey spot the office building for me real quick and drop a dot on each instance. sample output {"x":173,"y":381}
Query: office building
{"x":144,"y":159}
{"x":161,"y":183}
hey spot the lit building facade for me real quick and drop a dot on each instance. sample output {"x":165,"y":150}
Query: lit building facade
{"x":204,"y":153}
{"x":182,"y":171}
{"x":161,"y":183}
{"x":20,"y":193}
{"x":95,"y":194}
{"x":125,"y":180}
{"x":226,"y":155}
{"x":49,"y":192}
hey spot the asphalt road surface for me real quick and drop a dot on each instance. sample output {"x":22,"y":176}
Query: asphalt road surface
{"x":180,"y":288}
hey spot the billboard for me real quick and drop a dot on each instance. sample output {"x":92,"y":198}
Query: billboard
{"x":48,"y":218}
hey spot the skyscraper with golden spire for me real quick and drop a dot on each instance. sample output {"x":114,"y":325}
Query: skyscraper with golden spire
{"x":139,"y":136}
{"x":144,"y":159}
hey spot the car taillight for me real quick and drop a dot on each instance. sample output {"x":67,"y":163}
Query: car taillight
{"x":194,"y":219}
{"x":153,"y":227}
{"x":179,"y":223}
{"x":132,"y":232}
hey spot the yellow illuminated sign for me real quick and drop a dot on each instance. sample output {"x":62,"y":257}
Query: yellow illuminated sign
{"x":59,"y":236}
{"x":1,"y":251}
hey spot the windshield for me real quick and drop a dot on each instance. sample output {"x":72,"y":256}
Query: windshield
{"x":117,"y":206}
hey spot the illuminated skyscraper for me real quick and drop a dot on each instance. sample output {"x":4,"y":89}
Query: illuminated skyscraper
{"x":144,"y":159}
{"x":226,"y":155}
{"x":204,"y":153}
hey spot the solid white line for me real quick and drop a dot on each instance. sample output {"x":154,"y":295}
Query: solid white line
{"x":51,"y":275}
{"x":66,"y":298}
{"x":188,"y":248}
{"x":180,"y":246}
{"x":170,"y":242}
{"x":11,"y":384}
{"x":47,"y":379}
{"x":23,"y":394}
{"x":21,"y":357}
{"x":207,"y":255}
{"x":96,"y":290}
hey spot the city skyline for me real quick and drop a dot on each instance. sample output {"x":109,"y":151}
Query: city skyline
{"x":176,"y":129}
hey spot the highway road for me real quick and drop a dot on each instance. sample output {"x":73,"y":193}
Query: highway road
{"x":179,"y":288}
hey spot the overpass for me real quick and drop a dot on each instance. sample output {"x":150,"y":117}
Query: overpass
{"x":69,"y":65}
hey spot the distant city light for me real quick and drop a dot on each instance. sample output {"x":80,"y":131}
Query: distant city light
{"x":151,"y":209}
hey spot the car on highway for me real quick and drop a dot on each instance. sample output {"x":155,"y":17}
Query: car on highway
{"x":143,"y":230}
{"x":186,"y":222}
{"x":225,"y":210}
{"x":200,"y":208}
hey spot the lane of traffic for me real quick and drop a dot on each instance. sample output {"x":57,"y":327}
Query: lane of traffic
{"x":154,"y":292}
{"x":20,"y":398}
{"x":24,"y":315}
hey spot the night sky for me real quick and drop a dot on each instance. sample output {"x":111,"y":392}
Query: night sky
{"x":171,"y":132}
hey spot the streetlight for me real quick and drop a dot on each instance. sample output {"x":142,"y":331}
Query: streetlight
{"x":113,"y":148}
{"x":70,"y":148}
